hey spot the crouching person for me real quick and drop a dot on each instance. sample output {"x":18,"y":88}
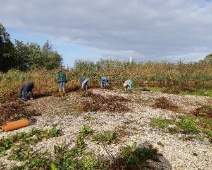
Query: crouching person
{"x":128,"y":85}
{"x":84,"y":83}
{"x":25,"y":88}
{"x":104,"y":82}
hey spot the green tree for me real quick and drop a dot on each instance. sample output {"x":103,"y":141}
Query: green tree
{"x":45,"y":52}
{"x":35,"y":56}
{"x":208,"y":58}
{"x":45,"y":58}
{"x":26,"y":56}
{"x":50,"y":59}
{"x":6,"y":50}
{"x":54,"y":60}
{"x":22,"y":56}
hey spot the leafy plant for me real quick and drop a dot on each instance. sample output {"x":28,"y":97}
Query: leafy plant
{"x":108,"y":137}
{"x":86,"y":130}
{"x":37,"y":162}
{"x":22,"y":149}
{"x":133,"y":157}
{"x":188,"y":125}
{"x":130,"y":157}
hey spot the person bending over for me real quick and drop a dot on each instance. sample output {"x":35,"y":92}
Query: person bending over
{"x":25,"y":88}
{"x":84,"y":83}
{"x":128,"y":85}
{"x":104,"y":82}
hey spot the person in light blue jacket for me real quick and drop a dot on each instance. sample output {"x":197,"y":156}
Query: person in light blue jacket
{"x":104,"y":82}
{"x":84,"y":83}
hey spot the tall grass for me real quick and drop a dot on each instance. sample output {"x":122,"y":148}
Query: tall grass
{"x":150,"y":73}
{"x":161,"y":74}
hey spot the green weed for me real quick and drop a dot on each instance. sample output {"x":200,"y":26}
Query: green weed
{"x":86,"y":130}
{"x":108,"y":137}
{"x":133,"y":157}
{"x":162,"y":123}
{"x":21,"y":141}
{"x":186,"y":124}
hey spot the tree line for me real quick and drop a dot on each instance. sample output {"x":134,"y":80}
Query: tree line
{"x":25,"y":57}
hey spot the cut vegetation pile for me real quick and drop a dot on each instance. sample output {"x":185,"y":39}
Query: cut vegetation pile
{"x":163,"y":103}
{"x":14,"y":111}
{"x":203,"y":111}
{"x":98,"y":102}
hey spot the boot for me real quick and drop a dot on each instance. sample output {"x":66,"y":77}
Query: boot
{"x":60,"y":91}
{"x":64,"y":91}
{"x":86,"y":87}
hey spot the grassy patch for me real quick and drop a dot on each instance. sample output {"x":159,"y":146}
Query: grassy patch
{"x":186,"y":124}
{"x":199,"y":92}
{"x":183,"y":90}
{"x":161,"y":123}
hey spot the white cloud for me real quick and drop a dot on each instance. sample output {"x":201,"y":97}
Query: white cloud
{"x":152,"y":29}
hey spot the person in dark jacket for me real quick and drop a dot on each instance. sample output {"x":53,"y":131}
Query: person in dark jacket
{"x":104,"y":82}
{"x":25,"y":88}
{"x":84,"y":83}
{"x":61,"y":79}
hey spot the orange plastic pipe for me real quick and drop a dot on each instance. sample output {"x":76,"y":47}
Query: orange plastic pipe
{"x":15,"y":125}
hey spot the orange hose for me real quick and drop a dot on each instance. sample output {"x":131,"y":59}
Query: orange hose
{"x":15,"y":125}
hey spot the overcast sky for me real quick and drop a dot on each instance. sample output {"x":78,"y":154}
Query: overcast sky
{"x":146,"y":30}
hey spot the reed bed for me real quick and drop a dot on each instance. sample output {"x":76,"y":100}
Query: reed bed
{"x":149,"y":74}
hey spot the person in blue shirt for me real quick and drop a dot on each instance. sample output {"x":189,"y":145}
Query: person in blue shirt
{"x":84,"y":83}
{"x":104,"y":82}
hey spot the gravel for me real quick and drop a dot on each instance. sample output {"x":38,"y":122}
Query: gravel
{"x":175,"y":153}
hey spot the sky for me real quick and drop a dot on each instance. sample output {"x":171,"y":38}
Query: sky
{"x":146,"y":30}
